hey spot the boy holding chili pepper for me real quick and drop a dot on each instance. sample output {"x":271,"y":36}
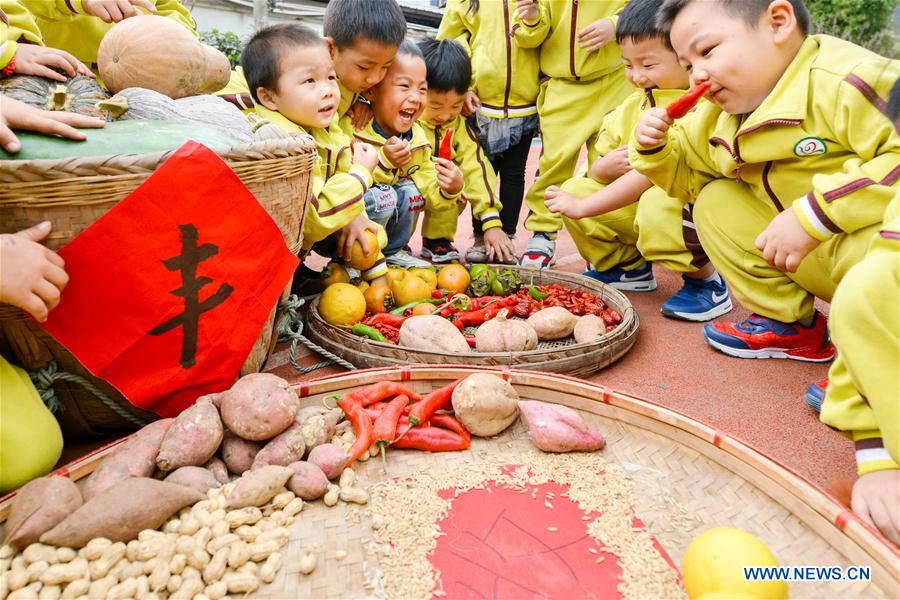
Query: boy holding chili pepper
{"x":618,"y":219}
{"x":408,"y":179}
{"x":791,"y":164}
{"x":449,"y":77}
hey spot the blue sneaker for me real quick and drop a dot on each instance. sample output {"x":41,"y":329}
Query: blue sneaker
{"x":698,"y":300}
{"x":636,"y":280}
{"x":815,"y":394}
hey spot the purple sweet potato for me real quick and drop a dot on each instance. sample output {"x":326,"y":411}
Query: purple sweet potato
{"x":308,"y":481}
{"x":192,"y":439}
{"x":317,"y":425}
{"x":258,"y":487}
{"x":238,"y":453}
{"x":283,"y":449}
{"x":556,"y":428}
{"x":122,"y":511}
{"x":259,"y":406}
{"x":214,"y":399}
{"x":218,"y":469}
{"x":38,"y":507}
{"x":197,"y":478}
{"x":133,"y":458}
{"x":329,"y":458}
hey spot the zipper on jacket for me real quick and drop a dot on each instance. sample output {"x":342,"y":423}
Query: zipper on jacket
{"x":737,"y":143}
{"x":508,"y":60}
{"x":574,"y":33}
{"x":717,"y":141}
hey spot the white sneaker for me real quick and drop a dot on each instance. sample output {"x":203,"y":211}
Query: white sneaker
{"x":405,"y":260}
{"x":539,"y":253}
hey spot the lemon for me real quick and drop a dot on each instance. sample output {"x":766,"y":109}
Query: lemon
{"x":342,"y":304}
{"x":360,"y":260}
{"x":714,"y":561}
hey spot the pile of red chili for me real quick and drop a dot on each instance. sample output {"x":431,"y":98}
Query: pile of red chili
{"x":392,"y":414}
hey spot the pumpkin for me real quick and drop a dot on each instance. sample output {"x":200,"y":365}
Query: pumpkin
{"x":79,"y":94}
{"x":147,"y":105}
{"x":156,"y":53}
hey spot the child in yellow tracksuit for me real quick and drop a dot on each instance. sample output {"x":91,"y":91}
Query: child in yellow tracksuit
{"x":586,"y":80}
{"x":362,"y":36}
{"x":863,"y":394}
{"x":408,"y":179}
{"x":22,"y":51}
{"x":301,"y":94}
{"x":791,"y":164}
{"x":614,"y":232}
{"x":503,"y":99}
{"x":449,"y":76}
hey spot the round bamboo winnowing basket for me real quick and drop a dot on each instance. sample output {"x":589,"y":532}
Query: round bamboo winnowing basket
{"x":73,"y":193}
{"x":558,"y":356}
{"x":685,"y":477}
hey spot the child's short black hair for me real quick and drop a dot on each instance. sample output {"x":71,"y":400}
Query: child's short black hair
{"x":381,"y":21}
{"x":448,"y":65}
{"x":410,"y":48}
{"x":261,"y":56}
{"x":748,"y":10}
{"x":637,"y":22}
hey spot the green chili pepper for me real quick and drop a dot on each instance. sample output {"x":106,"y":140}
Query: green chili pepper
{"x":367,"y":331}
{"x":401,"y":309}
{"x":509,"y":280}
{"x":481,"y":284}
{"x":497,"y":286}
{"x":537,"y":294}
{"x":475,"y":271}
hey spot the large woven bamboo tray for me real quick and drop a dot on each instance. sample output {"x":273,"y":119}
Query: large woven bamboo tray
{"x":559,"y":356}
{"x":74,"y":192}
{"x":684,"y":477}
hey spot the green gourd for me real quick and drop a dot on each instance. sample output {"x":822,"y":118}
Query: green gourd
{"x":78,"y":94}
{"x":125,"y":137}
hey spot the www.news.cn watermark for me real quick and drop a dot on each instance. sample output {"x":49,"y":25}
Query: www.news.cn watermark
{"x":808,"y":573}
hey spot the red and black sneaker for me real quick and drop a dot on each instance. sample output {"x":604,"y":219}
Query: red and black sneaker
{"x":761,"y":337}
{"x":815,"y":394}
{"x":439,"y":251}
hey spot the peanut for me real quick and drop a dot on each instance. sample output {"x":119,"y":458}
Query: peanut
{"x":349,"y":494}
{"x":220,"y":528}
{"x":40,"y":552}
{"x":308,"y":561}
{"x":247,"y":533}
{"x":65,"y":555}
{"x":148,"y":549}
{"x":281,"y":500}
{"x":348,"y":476}
{"x":35,"y":570}
{"x":160,"y":574}
{"x":217,"y":590}
{"x":177,"y":564}
{"x":149,"y":534}
{"x":50,"y":592}
{"x":261,"y":550}
{"x":29,"y":592}
{"x":331,"y":497}
{"x":172,"y":526}
{"x":76,"y":588}
{"x":248,"y":567}
{"x":143,"y":586}
{"x":175,"y":582}
{"x":216,"y":568}
{"x":280,"y":534}
{"x":123,"y":591}
{"x":270,"y":568}
{"x":95,"y":548}
{"x":65,"y":573}
{"x":190,"y":587}
{"x":112,"y":554}
{"x":189,"y":525}
{"x":238,"y":554}
{"x":266,"y":525}
{"x":117,"y":569}
{"x":221,"y":542}
{"x":7,"y":551}
{"x":241,"y":583}
{"x":132,"y":571}
{"x":101,"y":587}
{"x":243,"y":516}
{"x":293,"y":507}
{"x":203,"y":536}
{"x":131,"y":549}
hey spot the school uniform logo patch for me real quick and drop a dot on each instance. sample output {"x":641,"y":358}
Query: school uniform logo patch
{"x":810,"y":146}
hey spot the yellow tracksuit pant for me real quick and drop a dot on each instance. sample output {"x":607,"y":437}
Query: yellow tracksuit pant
{"x":571,"y":114}
{"x":657,"y":228}
{"x":442,"y":225}
{"x":729,"y":217}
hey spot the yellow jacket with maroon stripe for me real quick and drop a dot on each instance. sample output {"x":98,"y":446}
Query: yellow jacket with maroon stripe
{"x":420,"y":169}
{"x":556,"y":32}
{"x":64,"y":25}
{"x":819,"y":143}
{"x":478,"y":175}
{"x":505,"y":75}
{"x":16,"y":24}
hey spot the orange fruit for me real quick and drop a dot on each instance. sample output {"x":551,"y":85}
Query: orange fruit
{"x":427,"y":275}
{"x":454,"y":278}
{"x":423,"y":309}
{"x":410,"y":289}
{"x":342,"y":304}
{"x":359,"y":259}
{"x":379,"y":299}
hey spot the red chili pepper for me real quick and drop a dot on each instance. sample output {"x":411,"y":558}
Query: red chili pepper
{"x":451,"y":423}
{"x":431,"y":403}
{"x":470,"y":340}
{"x":362,"y":426}
{"x":385,"y":319}
{"x":446,"y":150}
{"x":385,"y":428}
{"x":683,"y":105}
{"x":475,"y":318}
{"x":432,"y":439}
{"x":441,"y":293}
{"x":381,"y":391}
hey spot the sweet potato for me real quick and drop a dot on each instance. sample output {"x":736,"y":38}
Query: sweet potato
{"x":556,"y":428}
{"x":218,"y":469}
{"x":214,"y":399}
{"x":317,"y":425}
{"x":121,"y":512}
{"x":588,"y":328}
{"x":308,"y":481}
{"x":238,"y":453}
{"x":285,"y":448}
{"x":485,"y":404}
{"x":259,"y":406}
{"x":133,"y":458}
{"x":197,"y":478}
{"x":192,"y":439}
{"x":431,"y":332}
{"x":38,"y":507}
{"x":553,"y":323}
{"x":255,"y":488}
{"x":329,"y":458}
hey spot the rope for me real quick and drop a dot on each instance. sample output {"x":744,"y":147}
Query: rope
{"x":290,"y":326}
{"x":43,"y":380}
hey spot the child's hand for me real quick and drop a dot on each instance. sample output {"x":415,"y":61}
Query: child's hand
{"x":365,"y":155}
{"x":471,"y":104}
{"x":651,"y":129}
{"x":450,"y":178}
{"x":360,"y":114}
{"x":398,"y":152}
{"x":562,"y":202}
{"x":785,"y":243}
{"x":596,"y":35}
{"x":32,"y":59}
{"x":612,"y":166}
{"x":876,"y":500}
{"x":356,"y":231}
{"x":498,"y":246}
{"x":113,"y":11}
{"x":527,"y":10}
{"x":33,"y":275}
{"x":18,"y":115}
